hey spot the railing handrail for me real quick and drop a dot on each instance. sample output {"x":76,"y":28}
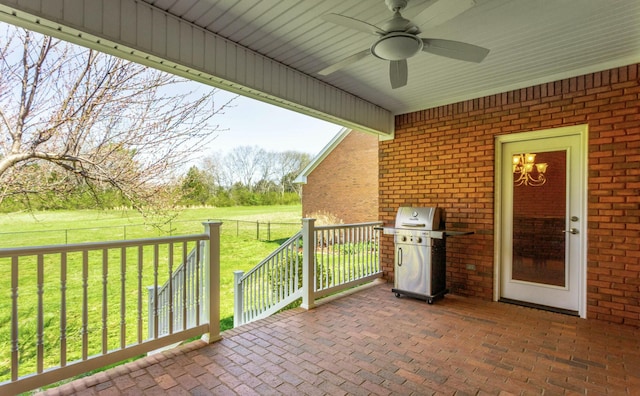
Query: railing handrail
{"x":355,"y":225}
{"x":77,"y":247}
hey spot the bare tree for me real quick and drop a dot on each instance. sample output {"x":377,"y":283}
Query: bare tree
{"x":289,"y":165}
{"x":243,"y":163}
{"x":72,"y":114}
{"x":213,"y":167}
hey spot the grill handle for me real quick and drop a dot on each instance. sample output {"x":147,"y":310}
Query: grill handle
{"x":399,"y":257}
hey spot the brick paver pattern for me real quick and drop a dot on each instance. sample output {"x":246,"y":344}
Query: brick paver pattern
{"x":372,"y":343}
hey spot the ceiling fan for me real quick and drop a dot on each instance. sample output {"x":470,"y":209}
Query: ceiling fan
{"x":398,"y":38}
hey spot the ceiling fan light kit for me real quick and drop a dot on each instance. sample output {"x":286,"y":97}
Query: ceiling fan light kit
{"x":396,"y":46}
{"x":399,"y":40}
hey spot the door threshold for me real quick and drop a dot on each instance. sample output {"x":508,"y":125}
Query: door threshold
{"x":539,"y":306}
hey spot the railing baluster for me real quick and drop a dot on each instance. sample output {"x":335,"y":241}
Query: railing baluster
{"x":368,"y":232}
{"x":345,"y":248}
{"x":252,"y":295}
{"x":291,"y":264}
{"x":265,"y":295}
{"x":352,"y":256}
{"x":299,"y":260}
{"x":140,"y":287}
{"x":123,"y":297}
{"x":185,"y":271}
{"x":367,"y":251}
{"x":197,"y":282}
{"x":170,"y":284}
{"x":256,"y":292}
{"x":105,"y":281}
{"x":85,"y":304}
{"x":337,"y":247}
{"x":359,"y":252}
{"x":40,"y":342}
{"x":156,"y":260}
{"x":15,"y":351}
{"x":282,"y":267}
{"x":63,"y":309}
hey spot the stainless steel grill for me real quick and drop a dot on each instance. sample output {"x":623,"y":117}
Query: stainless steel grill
{"x":420,"y":253}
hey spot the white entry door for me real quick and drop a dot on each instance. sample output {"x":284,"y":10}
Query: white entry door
{"x":542,"y":219}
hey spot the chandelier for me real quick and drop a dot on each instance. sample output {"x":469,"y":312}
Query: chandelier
{"x":527,"y":172}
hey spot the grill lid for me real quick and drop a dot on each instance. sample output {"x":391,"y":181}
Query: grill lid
{"x":419,"y":218}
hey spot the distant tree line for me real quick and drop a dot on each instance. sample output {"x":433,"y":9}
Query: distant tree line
{"x":246,"y":176}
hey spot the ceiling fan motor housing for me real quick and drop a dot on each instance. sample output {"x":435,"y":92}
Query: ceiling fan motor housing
{"x":395,"y":5}
{"x":396,"y":46}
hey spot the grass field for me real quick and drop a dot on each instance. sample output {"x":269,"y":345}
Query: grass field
{"x":240,"y":250}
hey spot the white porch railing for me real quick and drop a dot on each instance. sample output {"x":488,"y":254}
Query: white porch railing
{"x":76,"y":308}
{"x":314,"y":263}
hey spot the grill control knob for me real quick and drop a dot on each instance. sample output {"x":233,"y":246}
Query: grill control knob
{"x":404,"y":238}
{"x":419,"y":240}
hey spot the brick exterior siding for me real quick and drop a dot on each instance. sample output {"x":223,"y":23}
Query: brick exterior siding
{"x":445,"y":156}
{"x":345,"y":183}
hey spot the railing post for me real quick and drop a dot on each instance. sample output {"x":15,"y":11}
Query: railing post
{"x":308,"y":264}
{"x":238,"y":299}
{"x":212,"y":283}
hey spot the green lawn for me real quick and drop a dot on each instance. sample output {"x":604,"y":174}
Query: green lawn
{"x":239,"y":251}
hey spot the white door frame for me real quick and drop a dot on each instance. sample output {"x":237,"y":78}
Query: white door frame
{"x":583,"y":132}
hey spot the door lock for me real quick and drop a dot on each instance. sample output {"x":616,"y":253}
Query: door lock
{"x":571,"y":231}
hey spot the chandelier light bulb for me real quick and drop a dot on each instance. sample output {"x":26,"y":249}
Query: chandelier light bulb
{"x":524,"y":166}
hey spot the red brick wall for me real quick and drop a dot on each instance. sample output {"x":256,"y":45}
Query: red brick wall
{"x":345,"y":184}
{"x":445,"y":156}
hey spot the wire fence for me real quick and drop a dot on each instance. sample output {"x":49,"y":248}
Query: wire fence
{"x":258,"y":230}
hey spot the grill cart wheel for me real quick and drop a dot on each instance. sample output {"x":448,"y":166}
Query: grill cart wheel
{"x":429,"y":300}
{"x":398,"y":295}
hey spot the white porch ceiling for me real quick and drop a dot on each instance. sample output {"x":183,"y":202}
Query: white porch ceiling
{"x":531,"y":42}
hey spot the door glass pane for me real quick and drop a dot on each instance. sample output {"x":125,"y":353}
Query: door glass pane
{"x":539,"y":210}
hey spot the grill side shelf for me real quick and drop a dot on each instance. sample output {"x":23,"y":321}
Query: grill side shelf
{"x":458,"y":233}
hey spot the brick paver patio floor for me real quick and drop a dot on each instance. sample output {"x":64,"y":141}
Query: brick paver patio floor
{"x":372,"y":343}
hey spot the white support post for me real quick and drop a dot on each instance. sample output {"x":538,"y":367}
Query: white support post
{"x":238,"y":299}
{"x":212,"y":262}
{"x":308,"y":264}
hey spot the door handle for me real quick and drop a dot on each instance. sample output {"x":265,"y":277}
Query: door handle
{"x":399,"y":257}
{"x":571,"y":231}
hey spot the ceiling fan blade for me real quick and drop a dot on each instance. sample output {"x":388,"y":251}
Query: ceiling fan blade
{"x":398,"y":73}
{"x":345,"y":62}
{"x":455,"y":50}
{"x":353,"y":23}
{"x":440,"y":12}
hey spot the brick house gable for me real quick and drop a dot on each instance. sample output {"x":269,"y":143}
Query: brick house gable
{"x":342,"y":181}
